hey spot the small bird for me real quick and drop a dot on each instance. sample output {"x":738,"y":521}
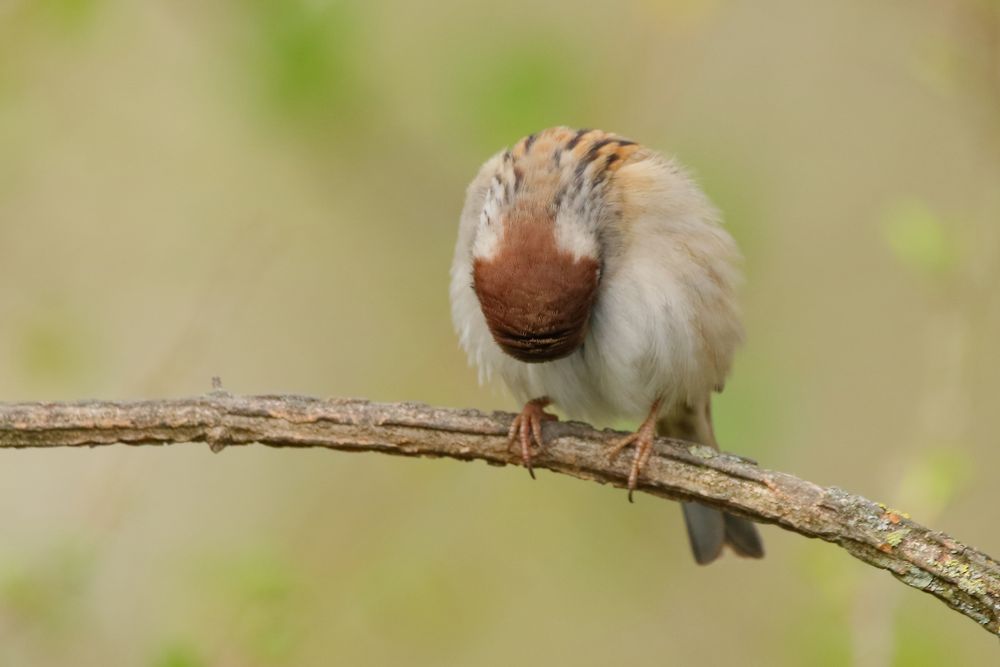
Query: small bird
{"x":592,"y":273}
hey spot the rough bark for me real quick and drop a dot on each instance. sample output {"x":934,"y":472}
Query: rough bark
{"x":965,"y":579}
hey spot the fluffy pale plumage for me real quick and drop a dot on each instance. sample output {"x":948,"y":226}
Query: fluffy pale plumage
{"x":664,"y":323}
{"x":594,"y":272}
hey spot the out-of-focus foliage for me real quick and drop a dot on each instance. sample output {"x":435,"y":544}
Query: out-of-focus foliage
{"x":919,"y":239}
{"x":306,"y":59}
{"x":45,"y":595}
{"x":178,"y":655}
{"x":267,"y":191}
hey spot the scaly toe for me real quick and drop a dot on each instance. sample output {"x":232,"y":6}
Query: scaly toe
{"x":618,"y":446}
{"x":512,"y":434}
{"x":526,"y":430}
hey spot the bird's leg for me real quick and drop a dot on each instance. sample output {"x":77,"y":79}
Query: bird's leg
{"x":527,"y":426}
{"x":643,"y":441}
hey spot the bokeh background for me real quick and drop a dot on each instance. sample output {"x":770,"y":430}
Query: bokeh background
{"x":268,"y":191}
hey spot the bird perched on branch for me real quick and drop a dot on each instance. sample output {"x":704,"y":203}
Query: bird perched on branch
{"x":592,"y":273}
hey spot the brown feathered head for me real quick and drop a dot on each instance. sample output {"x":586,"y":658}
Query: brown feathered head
{"x":537,"y":253}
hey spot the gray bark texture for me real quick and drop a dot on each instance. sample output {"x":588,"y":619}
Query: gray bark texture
{"x":965,"y":579}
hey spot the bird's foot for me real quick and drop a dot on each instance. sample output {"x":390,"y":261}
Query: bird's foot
{"x":527,"y":427}
{"x":643,"y":441}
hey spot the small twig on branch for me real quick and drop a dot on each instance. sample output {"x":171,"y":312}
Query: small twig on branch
{"x":967,"y":580}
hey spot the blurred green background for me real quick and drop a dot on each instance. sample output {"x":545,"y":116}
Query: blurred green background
{"x":268,"y":191}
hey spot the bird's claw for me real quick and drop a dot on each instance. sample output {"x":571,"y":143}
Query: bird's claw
{"x":643,"y":441}
{"x":527,"y":427}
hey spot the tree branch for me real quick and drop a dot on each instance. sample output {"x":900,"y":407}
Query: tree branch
{"x":965,"y":579}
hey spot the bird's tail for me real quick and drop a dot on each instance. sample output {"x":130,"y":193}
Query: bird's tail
{"x":709,"y":529}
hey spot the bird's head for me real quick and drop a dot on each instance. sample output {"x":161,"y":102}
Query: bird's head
{"x":537,"y":254}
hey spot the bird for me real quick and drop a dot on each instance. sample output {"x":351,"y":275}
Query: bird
{"x":592,"y":273}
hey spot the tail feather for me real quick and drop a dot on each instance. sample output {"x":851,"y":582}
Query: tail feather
{"x":710,"y":529}
{"x":706,"y":531}
{"x":743,"y":537}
